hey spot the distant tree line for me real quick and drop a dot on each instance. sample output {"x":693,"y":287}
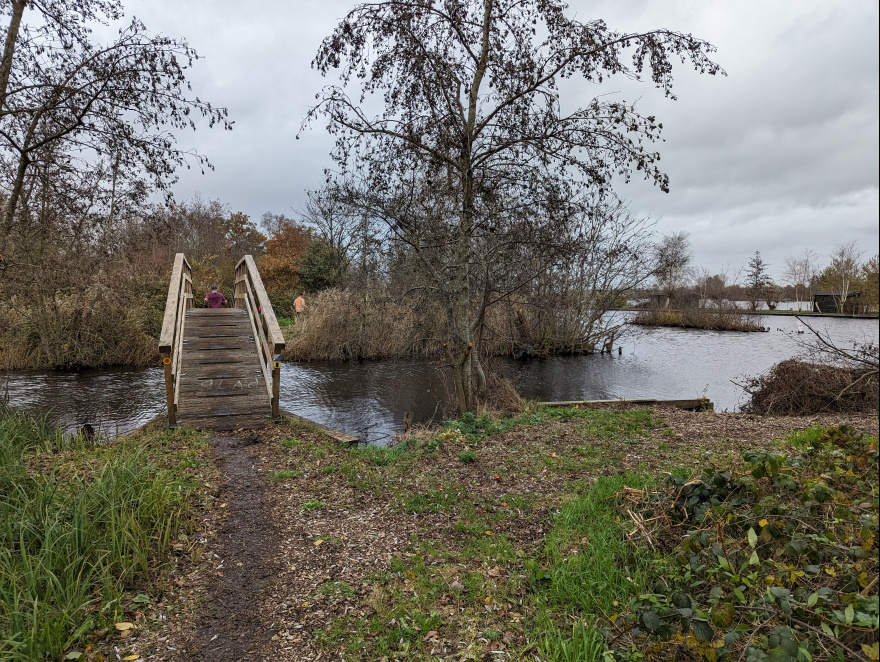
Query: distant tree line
{"x":847,"y":276}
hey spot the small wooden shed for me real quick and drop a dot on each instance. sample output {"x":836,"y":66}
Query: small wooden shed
{"x":828,"y":301}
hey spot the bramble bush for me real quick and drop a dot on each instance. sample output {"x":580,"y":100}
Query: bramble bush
{"x":778,"y":564}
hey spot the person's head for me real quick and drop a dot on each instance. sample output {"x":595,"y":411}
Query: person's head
{"x":213,"y":288}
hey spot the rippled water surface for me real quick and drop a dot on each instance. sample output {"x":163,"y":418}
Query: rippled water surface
{"x":368,"y":399}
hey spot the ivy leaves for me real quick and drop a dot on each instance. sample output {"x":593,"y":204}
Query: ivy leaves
{"x":772,"y":565}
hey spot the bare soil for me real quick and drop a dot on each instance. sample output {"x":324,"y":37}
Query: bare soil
{"x":232,"y":626}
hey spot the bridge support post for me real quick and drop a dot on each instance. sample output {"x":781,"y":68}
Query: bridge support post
{"x":276,"y":387}
{"x":169,"y":391}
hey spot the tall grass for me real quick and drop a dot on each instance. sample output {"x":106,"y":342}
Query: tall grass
{"x":345,"y":325}
{"x":590,"y":567}
{"x":69,"y":333}
{"x":69,"y":546}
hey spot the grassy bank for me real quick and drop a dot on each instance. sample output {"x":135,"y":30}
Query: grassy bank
{"x":86,"y":531}
{"x":556,"y":535}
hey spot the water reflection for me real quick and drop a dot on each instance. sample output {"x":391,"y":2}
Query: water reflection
{"x":369,"y":400}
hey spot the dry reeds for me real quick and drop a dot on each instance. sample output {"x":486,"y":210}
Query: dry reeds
{"x":340,"y":325}
{"x":97,"y":328}
{"x":711,"y":319}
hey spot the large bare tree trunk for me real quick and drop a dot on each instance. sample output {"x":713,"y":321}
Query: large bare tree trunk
{"x":9,"y":49}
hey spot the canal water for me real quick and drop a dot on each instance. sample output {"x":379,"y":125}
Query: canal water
{"x":369,"y":399}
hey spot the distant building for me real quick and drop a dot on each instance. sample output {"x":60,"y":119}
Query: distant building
{"x":828,"y":301}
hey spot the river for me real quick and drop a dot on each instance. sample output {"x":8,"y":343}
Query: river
{"x":368,"y":399}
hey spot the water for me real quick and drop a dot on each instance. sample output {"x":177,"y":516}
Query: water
{"x":369,"y":399}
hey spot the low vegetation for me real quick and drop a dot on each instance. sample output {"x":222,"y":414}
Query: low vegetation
{"x":87,"y":531}
{"x":570,"y":534}
{"x":726,"y":318}
{"x":779,"y":563}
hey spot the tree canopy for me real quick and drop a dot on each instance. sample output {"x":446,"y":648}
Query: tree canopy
{"x":456,"y":110}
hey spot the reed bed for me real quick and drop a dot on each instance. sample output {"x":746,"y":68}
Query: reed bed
{"x":710,"y":319}
{"x":67,"y":332}
{"x":345,"y":325}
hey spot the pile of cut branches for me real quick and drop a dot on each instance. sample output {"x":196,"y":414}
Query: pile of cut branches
{"x":778,"y":564}
{"x":795,"y":388}
{"x":827,"y":378}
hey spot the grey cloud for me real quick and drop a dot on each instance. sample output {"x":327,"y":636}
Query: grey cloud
{"x":779,"y":155}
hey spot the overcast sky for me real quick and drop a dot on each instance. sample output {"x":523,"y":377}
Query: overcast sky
{"x":780,"y":155}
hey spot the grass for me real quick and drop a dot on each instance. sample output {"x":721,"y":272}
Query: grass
{"x":80,"y":524}
{"x":521,"y":544}
{"x":589,"y":568}
{"x":590,"y":563}
{"x":286,"y":474}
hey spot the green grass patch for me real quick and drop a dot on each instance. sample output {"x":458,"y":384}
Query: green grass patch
{"x":80,"y":524}
{"x":314,"y":504}
{"x":805,"y":438}
{"x":286,"y":474}
{"x":590,"y":564}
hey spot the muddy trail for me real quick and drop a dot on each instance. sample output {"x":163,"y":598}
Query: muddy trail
{"x":232,"y":625}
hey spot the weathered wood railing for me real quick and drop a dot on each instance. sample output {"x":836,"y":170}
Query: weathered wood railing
{"x":250,"y":294}
{"x":180,"y":297}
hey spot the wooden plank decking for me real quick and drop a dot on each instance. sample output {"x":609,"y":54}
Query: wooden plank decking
{"x":222,"y":381}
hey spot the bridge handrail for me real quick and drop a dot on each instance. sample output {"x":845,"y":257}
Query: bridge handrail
{"x":250,"y":294}
{"x":180,"y":296}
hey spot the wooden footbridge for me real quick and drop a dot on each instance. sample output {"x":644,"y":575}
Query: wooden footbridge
{"x":222,"y":365}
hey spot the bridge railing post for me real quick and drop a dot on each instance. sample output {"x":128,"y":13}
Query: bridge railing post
{"x":180,"y":299}
{"x":250,"y":294}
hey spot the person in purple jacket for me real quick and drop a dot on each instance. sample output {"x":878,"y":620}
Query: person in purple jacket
{"x":215,"y":299}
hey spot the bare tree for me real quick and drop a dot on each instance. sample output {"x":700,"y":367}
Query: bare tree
{"x":844,"y":269}
{"x":672,"y":263}
{"x":472,"y":118}
{"x":90,"y":120}
{"x":800,"y":272}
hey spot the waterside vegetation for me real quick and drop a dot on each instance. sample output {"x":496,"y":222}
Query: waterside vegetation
{"x":727,"y":318}
{"x":88,"y":530}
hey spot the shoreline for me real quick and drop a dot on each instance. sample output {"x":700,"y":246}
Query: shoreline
{"x":788,"y":313}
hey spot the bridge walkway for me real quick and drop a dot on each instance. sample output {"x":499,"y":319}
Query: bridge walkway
{"x":222,"y":386}
{"x":222,"y":366}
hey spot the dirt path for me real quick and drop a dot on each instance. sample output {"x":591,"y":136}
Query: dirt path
{"x":233,"y":626}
